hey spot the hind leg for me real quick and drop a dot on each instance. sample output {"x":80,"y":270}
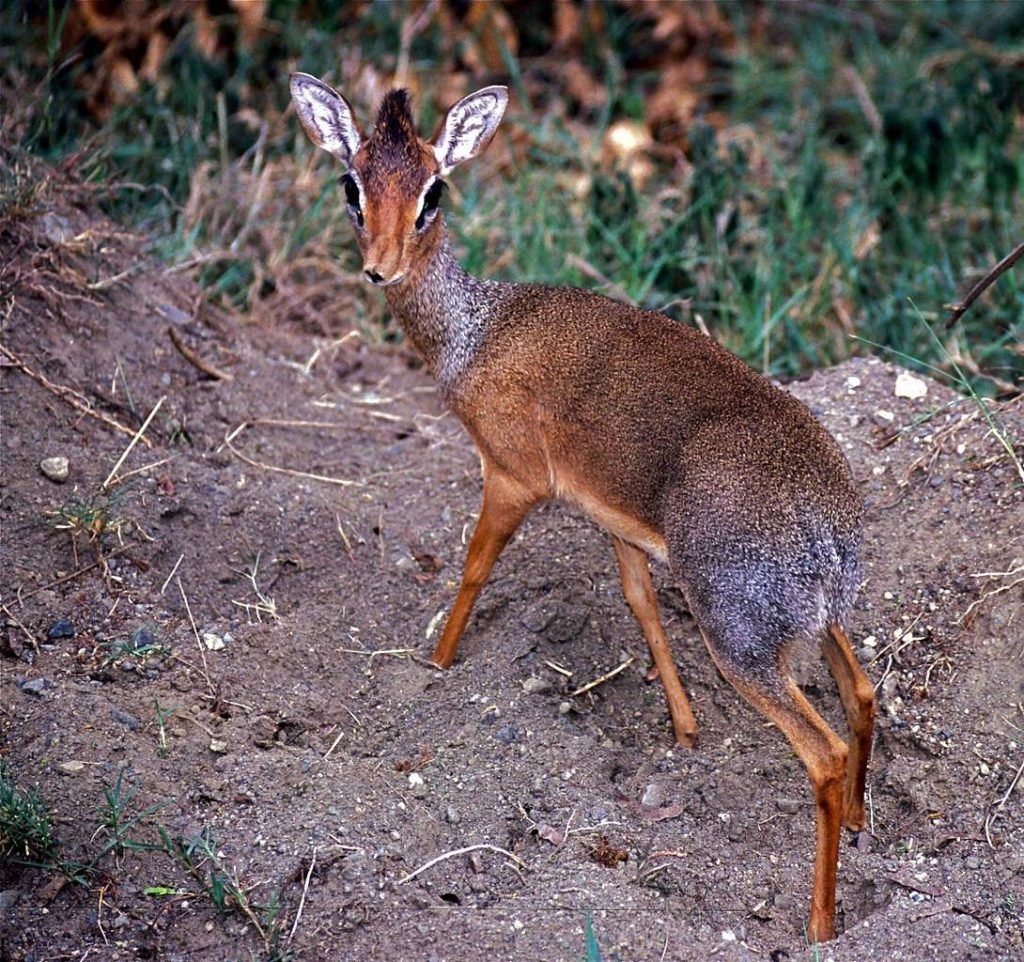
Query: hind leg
{"x":858,"y":697}
{"x":639,"y":592}
{"x":772,"y":692}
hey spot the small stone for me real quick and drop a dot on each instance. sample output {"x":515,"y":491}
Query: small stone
{"x":63,"y":628}
{"x":417,"y":784}
{"x":507,"y":734}
{"x":71,"y":767}
{"x":653,"y":796}
{"x":451,"y":815}
{"x":788,"y":806}
{"x":853,"y":382}
{"x":35,"y":686}
{"x":972,"y":862}
{"x":213,"y":641}
{"x":218,"y":745}
{"x":537,"y":685}
{"x":883,"y":418}
{"x":910,"y":387}
{"x":56,"y":469}
{"x":124,"y":718}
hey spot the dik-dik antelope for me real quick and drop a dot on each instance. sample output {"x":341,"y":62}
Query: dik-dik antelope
{"x":669,"y":442}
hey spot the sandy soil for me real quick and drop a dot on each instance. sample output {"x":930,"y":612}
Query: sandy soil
{"x":271,"y":569}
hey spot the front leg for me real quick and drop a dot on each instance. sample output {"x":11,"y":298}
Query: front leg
{"x":505,"y":505}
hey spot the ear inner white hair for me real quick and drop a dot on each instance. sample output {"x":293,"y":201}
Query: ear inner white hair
{"x":469,"y":126}
{"x":326,"y":116}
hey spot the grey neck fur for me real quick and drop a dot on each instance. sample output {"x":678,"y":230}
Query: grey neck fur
{"x":445,"y":311}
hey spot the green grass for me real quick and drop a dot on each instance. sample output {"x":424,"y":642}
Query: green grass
{"x":869,"y":157}
{"x":199,"y":857}
{"x":26,"y":832}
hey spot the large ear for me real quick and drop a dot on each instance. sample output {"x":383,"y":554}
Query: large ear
{"x":469,"y":126}
{"x":326,"y":116}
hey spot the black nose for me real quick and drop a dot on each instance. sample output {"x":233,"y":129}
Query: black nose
{"x":374,"y":276}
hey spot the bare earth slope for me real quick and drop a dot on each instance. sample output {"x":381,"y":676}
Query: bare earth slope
{"x":244,"y":645}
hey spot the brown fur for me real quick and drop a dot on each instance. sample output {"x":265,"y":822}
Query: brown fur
{"x":667,"y":440}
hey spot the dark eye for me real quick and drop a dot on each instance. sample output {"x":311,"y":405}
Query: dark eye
{"x":430,"y":201}
{"x":348,"y":182}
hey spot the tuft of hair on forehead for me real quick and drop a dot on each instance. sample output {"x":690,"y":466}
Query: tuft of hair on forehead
{"x":394,"y":135}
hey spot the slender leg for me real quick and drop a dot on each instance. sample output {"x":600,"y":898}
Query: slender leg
{"x":504,"y":507}
{"x":858,"y":697}
{"x":639,"y":592}
{"x":824,"y":756}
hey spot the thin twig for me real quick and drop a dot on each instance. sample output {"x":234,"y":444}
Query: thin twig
{"x":78,"y":572}
{"x":607,"y":677}
{"x":67,"y":395}
{"x":462,"y":851}
{"x":163,"y":587}
{"x":302,"y":901}
{"x":959,"y":309}
{"x":31,"y":637}
{"x":291,"y":472}
{"x":195,"y":360}
{"x":199,"y":641}
{"x":128,"y":450}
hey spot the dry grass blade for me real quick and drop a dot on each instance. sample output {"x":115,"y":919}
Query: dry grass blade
{"x":199,"y":641}
{"x":607,"y":677}
{"x":302,"y":900}
{"x":1016,"y":572}
{"x":483,"y":846}
{"x":128,"y":450}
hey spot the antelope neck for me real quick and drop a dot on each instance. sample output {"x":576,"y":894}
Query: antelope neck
{"x":444,"y":312}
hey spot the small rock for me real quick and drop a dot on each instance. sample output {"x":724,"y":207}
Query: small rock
{"x":417,"y":784}
{"x":56,"y":469}
{"x":451,"y":815}
{"x":788,"y":806}
{"x":653,"y":796}
{"x":71,"y":767}
{"x":218,"y":745}
{"x":124,"y":718}
{"x":63,"y":628}
{"x":883,"y":418}
{"x":972,"y":862}
{"x":212,"y":641}
{"x":35,"y":686}
{"x":908,"y":386}
{"x":507,"y":734}
{"x":537,"y":685}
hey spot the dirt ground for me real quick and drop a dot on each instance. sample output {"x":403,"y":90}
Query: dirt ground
{"x":244,"y":645}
